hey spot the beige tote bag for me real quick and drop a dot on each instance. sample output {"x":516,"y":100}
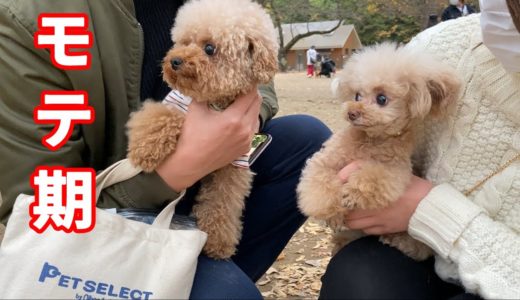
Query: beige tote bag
{"x":119,"y":258}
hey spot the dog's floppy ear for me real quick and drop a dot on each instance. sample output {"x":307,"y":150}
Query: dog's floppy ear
{"x":334,"y":87}
{"x":264,"y":56}
{"x":342,"y":86}
{"x":434,"y":92}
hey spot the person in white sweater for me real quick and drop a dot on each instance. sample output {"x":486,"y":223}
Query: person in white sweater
{"x":467,"y":207}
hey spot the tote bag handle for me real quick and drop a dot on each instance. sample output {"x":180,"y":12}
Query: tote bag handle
{"x":124,"y":170}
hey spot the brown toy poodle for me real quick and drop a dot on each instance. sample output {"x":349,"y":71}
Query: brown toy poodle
{"x":222,"y":49}
{"x":388,"y":91}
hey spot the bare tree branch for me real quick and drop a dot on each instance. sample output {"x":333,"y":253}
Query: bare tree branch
{"x":300,"y":36}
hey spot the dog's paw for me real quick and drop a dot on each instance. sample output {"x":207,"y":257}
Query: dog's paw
{"x":152,"y":135}
{"x":219,"y":250}
{"x":336,"y":222}
{"x":408,"y":245}
{"x":350,"y":197}
{"x":220,"y":244}
{"x":343,"y":237}
{"x":373,"y":189}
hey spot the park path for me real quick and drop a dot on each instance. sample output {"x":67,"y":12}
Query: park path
{"x":298,"y":269}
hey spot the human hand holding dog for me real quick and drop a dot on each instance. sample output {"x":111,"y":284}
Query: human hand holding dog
{"x":392,"y":219}
{"x":211,"y":140}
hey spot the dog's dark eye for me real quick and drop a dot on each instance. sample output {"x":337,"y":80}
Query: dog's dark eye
{"x":381,"y":99}
{"x":358,"y":97}
{"x":209,"y":49}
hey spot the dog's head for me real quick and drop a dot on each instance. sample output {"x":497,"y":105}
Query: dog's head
{"x":222,"y":48}
{"x":387,"y":88}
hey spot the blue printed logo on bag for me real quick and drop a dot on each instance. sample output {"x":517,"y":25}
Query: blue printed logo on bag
{"x":86,"y":288}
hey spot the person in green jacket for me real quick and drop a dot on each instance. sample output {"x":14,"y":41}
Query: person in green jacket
{"x":130,"y":39}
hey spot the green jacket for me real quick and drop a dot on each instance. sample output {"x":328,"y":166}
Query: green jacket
{"x":113,"y":86}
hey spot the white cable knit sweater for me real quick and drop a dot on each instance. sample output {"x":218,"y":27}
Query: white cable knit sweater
{"x":477,"y":239}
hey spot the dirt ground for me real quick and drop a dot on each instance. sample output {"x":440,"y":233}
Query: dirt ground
{"x":298,"y":94}
{"x":298,"y":269}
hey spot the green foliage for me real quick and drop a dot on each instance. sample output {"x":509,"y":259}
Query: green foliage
{"x":390,"y":20}
{"x":294,"y":11}
{"x":376,"y":25}
{"x":375,"y":20}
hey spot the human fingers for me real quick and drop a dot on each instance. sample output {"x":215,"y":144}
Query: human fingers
{"x":254,"y":109}
{"x":249,"y":121}
{"x":242,"y":103}
{"x":361,"y":224}
{"x":345,"y":173}
{"x":361,"y":214}
{"x":198,"y":107}
{"x":256,"y":127}
{"x":252,"y":115}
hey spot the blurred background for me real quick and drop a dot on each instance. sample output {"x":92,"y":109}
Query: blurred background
{"x":339,"y":27}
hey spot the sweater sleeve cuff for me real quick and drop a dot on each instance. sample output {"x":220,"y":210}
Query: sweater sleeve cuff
{"x":441,"y":217}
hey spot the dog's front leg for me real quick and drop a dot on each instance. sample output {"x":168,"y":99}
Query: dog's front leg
{"x":219,"y":207}
{"x":319,"y":190}
{"x":153,"y":132}
{"x":375,"y":185}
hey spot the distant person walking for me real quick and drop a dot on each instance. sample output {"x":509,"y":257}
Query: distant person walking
{"x":312,"y":56}
{"x":457,"y":8}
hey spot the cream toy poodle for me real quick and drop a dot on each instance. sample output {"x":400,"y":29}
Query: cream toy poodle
{"x":388,"y":91}
{"x":222,"y":49}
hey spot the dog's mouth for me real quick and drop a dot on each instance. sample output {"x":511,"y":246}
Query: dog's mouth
{"x":189,"y":71}
{"x":184,"y":63}
{"x":185,"y":78}
{"x":363,"y":121}
{"x":357,"y":122}
{"x":365,"y":125}
{"x":361,"y":127}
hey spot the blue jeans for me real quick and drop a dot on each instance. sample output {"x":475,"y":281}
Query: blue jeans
{"x":271,"y":215}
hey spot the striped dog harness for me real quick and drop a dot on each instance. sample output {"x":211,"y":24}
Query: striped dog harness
{"x":179,"y":101}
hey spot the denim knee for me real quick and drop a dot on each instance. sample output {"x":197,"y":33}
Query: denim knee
{"x":303,"y":129}
{"x":222,"y":279}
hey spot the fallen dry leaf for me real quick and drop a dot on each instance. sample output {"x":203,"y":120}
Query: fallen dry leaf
{"x":316,"y":286}
{"x":264,"y":282}
{"x":314,"y":262}
{"x":281,"y":256}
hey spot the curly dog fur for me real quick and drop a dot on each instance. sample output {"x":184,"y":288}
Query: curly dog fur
{"x":243,"y":38}
{"x":414,"y":86}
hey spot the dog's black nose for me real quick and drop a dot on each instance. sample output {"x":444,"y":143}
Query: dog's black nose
{"x":353,"y":115}
{"x":176,"y":63}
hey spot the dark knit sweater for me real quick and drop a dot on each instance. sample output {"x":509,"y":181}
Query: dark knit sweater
{"x":156,"y":18}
